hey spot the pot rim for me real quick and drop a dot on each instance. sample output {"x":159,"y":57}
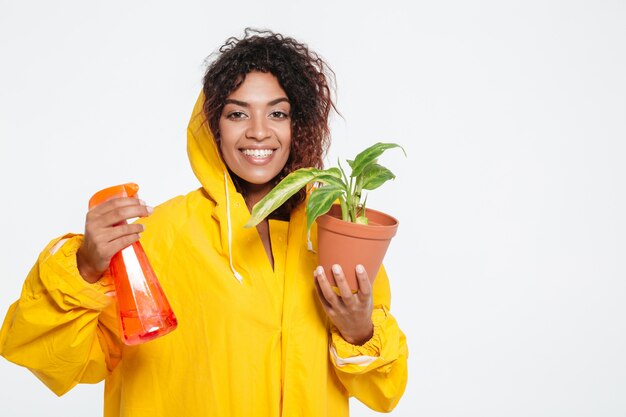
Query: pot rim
{"x":332,"y":221}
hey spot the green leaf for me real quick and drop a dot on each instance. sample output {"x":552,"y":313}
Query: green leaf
{"x":376,"y":175}
{"x":334,"y":171}
{"x":331,"y":180}
{"x":343,"y":173}
{"x":331,"y":176}
{"x":369,"y":156}
{"x":320,"y":201}
{"x":290,"y":185}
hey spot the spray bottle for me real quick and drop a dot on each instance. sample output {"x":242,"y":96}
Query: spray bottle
{"x":144,"y":311}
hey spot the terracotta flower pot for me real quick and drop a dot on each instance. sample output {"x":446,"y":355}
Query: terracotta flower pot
{"x":349,"y":244}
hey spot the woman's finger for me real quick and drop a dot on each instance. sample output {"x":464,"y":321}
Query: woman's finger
{"x":327,"y":307}
{"x":116,"y":232}
{"x":121,"y":214}
{"x":117,"y":210}
{"x":114,"y":203}
{"x":326,"y":289}
{"x":117,"y":245}
{"x":365,"y":287}
{"x":342,"y":284}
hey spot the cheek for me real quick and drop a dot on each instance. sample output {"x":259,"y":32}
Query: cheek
{"x":286,"y":137}
{"x":228,"y":136}
{"x":286,"y":144}
{"x":224,"y":130}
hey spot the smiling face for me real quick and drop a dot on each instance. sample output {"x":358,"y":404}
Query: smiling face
{"x":255,"y":131}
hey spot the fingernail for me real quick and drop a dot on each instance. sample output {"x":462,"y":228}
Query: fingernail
{"x":143,"y":227}
{"x":143,"y":203}
{"x":150,"y":209}
{"x":319,"y":271}
{"x":336,"y":269}
{"x":360,"y":269}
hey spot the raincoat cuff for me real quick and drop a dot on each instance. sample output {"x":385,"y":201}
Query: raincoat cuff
{"x":60,"y":276}
{"x":343,"y":351}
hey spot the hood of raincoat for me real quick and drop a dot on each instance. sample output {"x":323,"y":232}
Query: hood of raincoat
{"x":204,"y":156}
{"x":211,"y":171}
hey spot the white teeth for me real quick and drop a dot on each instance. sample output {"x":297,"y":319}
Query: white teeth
{"x":258,"y":153}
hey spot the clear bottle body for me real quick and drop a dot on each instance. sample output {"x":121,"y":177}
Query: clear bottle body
{"x":145,"y":313}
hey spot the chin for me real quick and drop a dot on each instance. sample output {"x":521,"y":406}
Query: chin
{"x":260,"y":177}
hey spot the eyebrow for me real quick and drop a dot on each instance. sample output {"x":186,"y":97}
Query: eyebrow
{"x":245,"y":104}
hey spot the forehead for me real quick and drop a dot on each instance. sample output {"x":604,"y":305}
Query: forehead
{"x":258,"y":86}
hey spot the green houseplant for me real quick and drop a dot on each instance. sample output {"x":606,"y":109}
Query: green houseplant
{"x":335,"y":184}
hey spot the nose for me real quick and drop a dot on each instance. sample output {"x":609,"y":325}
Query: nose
{"x":258,"y":129}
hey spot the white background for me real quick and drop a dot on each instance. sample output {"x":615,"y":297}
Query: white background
{"x":508,"y":271}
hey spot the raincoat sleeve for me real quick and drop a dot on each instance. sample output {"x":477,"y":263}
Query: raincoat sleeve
{"x":375,"y":372}
{"x":55,"y":329}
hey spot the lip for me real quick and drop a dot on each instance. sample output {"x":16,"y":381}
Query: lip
{"x":258,"y":160}
{"x":251,"y":148}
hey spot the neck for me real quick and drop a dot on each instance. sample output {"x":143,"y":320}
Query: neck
{"x":255,"y":194}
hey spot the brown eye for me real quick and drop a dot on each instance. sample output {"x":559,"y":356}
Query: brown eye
{"x":279,"y":115}
{"x":236,"y":115}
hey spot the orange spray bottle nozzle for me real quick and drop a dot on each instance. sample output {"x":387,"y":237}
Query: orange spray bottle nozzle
{"x":129,"y":189}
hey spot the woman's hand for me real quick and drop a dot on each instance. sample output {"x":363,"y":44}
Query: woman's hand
{"x":106,"y":233}
{"x":350,"y":313}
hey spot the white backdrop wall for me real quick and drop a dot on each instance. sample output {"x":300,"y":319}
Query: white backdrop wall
{"x":508,"y":271}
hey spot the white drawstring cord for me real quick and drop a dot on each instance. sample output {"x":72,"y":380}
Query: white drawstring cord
{"x":309,"y":244}
{"x":230,"y":234}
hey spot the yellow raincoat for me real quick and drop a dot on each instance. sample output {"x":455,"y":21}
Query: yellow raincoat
{"x":251,"y":340}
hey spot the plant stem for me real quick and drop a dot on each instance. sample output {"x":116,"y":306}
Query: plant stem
{"x":358,"y":190}
{"x":345,"y":216}
{"x":350,"y":201}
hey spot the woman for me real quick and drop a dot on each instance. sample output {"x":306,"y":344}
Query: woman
{"x":257,"y":335}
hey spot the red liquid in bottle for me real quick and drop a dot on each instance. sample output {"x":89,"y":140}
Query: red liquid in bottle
{"x":145,"y":313}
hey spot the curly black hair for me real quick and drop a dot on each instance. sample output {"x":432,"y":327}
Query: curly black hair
{"x":307,"y":81}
